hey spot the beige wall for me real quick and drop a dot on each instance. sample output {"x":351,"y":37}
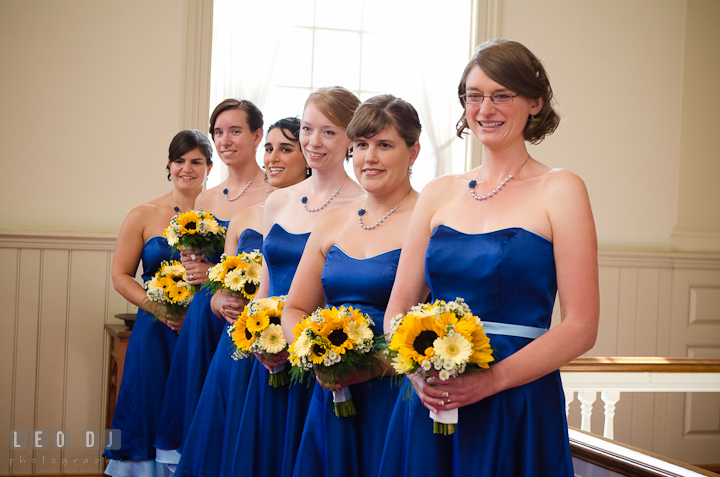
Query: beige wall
{"x":91,"y":95}
{"x":93,"y":91}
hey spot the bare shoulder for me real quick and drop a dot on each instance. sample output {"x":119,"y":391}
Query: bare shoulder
{"x":208,"y":197}
{"x":248,"y":218}
{"x":444,"y":188}
{"x":561,"y":183}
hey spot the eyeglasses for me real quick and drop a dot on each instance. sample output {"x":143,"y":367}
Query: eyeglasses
{"x":500,"y":98}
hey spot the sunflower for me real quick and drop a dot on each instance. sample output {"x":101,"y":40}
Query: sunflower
{"x":230,"y":264}
{"x":335,"y":331}
{"x":188,"y":222}
{"x":257,"y":322}
{"x":272,"y":339}
{"x":415,"y":336}
{"x":249,"y":289}
{"x":242,"y":338}
{"x":454,"y":348}
{"x":317,"y":353}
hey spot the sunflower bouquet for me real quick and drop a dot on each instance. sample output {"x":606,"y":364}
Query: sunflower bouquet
{"x":336,"y":342}
{"x":443,"y":336}
{"x":258,"y":330}
{"x":168,"y":290}
{"x":196,"y":229}
{"x":238,"y":273}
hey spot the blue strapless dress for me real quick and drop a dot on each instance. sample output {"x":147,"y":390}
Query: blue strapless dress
{"x":196,"y":345}
{"x":351,"y":446}
{"x":214,"y":427}
{"x":507,"y":277}
{"x":272,"y":418}
{"x":147,"y":363}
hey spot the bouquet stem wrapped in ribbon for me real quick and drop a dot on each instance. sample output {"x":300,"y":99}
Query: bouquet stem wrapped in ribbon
{"x":197,"y":230}
{"x":258,"y":330}
{"x":445,"y":337}
{"x":168,"y":291}
{"x":336,"y":342}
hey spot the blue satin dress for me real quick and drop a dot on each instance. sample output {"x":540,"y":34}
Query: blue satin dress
{"x":351,"y":446}
{"x":272,"y":418}
{"x":508,"y":279}
{"x":217,"y":418}
{"x":199,"y":336}
{"x":147,"y":363}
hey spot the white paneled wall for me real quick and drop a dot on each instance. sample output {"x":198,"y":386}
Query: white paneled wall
{"x":57,"y":295}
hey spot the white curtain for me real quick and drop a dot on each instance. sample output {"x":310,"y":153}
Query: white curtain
{"x":243,"y":56}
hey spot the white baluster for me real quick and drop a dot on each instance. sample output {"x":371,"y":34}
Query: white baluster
{"x":586,"y":398}
{"x":569,"y":397}
{"x":610,"y":398}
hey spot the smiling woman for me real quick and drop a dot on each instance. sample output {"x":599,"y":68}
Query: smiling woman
{"x":152,"y":343}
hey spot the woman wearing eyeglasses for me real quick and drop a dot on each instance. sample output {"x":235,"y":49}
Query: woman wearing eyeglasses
{"x":506,"y":236}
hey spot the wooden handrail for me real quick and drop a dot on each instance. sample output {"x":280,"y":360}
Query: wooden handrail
{"x":642,"y":365}
{"x":627,"y":460}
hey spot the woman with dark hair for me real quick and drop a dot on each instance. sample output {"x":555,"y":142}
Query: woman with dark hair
{"x":236,"y":128}
{"x":153,"y":341}
{"x":350,"y":260}
{"x":506,"y":236}
{"x":213,"y":432}
{"x":273,"y":418}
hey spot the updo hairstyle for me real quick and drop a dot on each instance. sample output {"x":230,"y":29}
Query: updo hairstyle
{"x":254,"y":116}
{"x":512,"y":65}
{"x":382,"y":111}
{"x":337,"y":104}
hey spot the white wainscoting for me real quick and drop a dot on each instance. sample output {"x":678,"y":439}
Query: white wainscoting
{"x":56,"y":295}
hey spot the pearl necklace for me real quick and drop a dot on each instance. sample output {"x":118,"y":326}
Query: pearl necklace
{"x":316,"y":209}
{"x":473,"y":183}
{"x":361,"y":212}
{"x":225,"y":191}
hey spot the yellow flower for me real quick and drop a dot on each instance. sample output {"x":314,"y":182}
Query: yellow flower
{"x":272,"y":339}
{"x":334,"y":330}
{"x":188,"y":222}
{"x":447,"y":318}
{"x":242,"y":337}
{"x":317,"y":353}
{"x":177,"y":293}
{"x":454,"y":348}
{"x":402,"y":364}
{"x":415,"y":336}
{"x":164,"y":283}
{"x":301,"y":346}
{"x":252,"y":272}
{"x":257,"y":322}
{"x":234,"y":280}
{"x":172,"y":239}
{"x":359,"y":331}
{"x":249,"y":289}
{"x":211,"y":224}
{"x":175,"y":269}
{"x":266,"y":304}
{"x":215,"y":273}
{"x":230,"y":264}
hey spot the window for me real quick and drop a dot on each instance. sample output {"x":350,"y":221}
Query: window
{"x":276,"y":53}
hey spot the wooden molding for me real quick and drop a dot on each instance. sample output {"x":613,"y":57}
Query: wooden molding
{"x":642,"y":365}
{"x":57,"y":242}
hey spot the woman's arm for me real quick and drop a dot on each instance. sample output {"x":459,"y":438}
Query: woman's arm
{"x":128,"y":252}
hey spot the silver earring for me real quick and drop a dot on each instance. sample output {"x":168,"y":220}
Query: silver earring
{"x":410,"y":171}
